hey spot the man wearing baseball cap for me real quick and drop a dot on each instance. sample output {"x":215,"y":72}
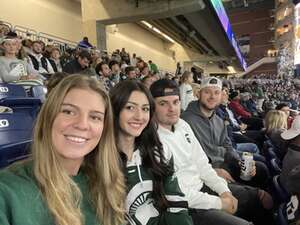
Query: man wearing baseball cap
{"x":209,"y":196}
{"x":292,"y":157}
{"x":211,"y":132}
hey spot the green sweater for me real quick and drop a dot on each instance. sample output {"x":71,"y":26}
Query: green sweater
{"x":21,"y":202}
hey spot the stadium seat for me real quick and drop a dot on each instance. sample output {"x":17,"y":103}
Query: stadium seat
{"x":15,"y":136}
{"x":275,"y":166}
{"x":281,"y":218}
{"x":270,"y":153}
{"x":280,"y":193}
{"x":38,"y":91}
{"x":15,"y":97}
{"x":11,"y":91}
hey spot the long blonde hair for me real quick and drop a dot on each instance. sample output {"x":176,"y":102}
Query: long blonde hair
{"x":275,"y":119}
{"x":101,"y":166}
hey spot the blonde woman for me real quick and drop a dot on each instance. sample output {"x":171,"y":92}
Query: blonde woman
{"x":73,"y":177}
{"x":275,"y":123}
{"x":186,"y":90}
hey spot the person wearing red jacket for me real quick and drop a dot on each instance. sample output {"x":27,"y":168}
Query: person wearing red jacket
{"x":254,"y":123}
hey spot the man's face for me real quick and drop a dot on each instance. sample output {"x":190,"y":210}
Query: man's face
{"x":115,"y":68}
{"x":106,"y":72}
{"x":37,"y":48}
{"x":210,"y":97}
{"x":131,"y":74}
{"x":167,"y":110}
{"x":84,"y":62}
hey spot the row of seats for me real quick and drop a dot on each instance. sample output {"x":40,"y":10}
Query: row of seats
{"x":16,"y":124}
{"x":280,"y":194}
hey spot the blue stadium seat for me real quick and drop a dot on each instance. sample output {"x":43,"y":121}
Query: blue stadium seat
{"x":275,"y":165}
{"x":15,"y":136}
{"x":38,"y":91}
{"x":11,"y":91}
{"x":270,"y":153}
{"x":15,"y":97}
{"x":281,"y":218}
{"x":280,"y":192}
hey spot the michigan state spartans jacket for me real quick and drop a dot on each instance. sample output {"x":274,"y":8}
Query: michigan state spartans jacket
{"x":140,"y":205}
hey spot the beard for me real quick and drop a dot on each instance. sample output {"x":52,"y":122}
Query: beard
{"x":207,"y":108}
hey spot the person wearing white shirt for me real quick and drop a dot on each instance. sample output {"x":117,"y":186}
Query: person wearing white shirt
{"x":209,"y":198}
{"x":186,"y":90}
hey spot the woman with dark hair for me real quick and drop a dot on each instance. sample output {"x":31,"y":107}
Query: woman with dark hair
{"x":153,"y":194}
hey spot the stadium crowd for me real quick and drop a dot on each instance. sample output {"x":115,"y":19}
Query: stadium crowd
{"x":117,"y":140}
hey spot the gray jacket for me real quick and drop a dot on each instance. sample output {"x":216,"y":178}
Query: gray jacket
{"x":212,"y":134}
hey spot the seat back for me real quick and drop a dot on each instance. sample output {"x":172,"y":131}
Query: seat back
{"x":39,"y":91}
{"x":280,"y":192}
{"x":275,"y":166}
{"x":15,"y":136}
{"x":11,"y":91}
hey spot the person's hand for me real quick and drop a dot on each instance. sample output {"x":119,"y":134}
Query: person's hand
{"x":225,"y":175}
{"x":229,"y":202}
{"x":31,"y":77}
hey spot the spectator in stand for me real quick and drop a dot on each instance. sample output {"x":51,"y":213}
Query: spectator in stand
{"x":40,"y":63}
{"x":144,"y":71}
{"x":196,"y":75}
{"x":209,"y":197}
{"x":55,"y":59}
{"x":74,"y":175}
{"x":286,"y":109}
{"x":246,"y":117}
{"x":275,"y":123}
{"x":248,"y":103}
{"x":292,"y":156}
{"x":211,"y":132}
{"x":148,"y":81}
{"x":13,"y":69}
{"x":178,"y":69}
{"x":236,"y":130}
{"x":104,"y":72}
{"x":292,"y":100}
{"x":53,"y":81}
{"x":125,"y":56}
{"x":186,"y":90}
{"x":79,"y":64}
{"x":130,"y":73}
{"x":114,"y":66}
{"x":153,"y":67}
{"x":153,"y":194}
{"x":133,"y":60}
{"x":27,"y":45}
{"x":4,"y":29}
{"x":84,"y":43}
{"x":176,"y":79}
{"x":259,"y":94}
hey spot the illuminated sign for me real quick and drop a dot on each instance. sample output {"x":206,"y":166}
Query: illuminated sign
{"x":219,"y":9}
{"x":297,"y":35}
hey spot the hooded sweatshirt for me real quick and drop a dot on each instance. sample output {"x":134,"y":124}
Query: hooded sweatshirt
{"x":212,"y":135}
{"x":192,"y":167}
{"x":141,"y":209}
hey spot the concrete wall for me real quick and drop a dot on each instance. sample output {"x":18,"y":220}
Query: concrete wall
{"x":56,"y":17}
{"x":136,"y":39}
